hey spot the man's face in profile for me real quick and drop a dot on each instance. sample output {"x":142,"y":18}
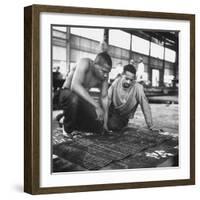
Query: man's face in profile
{"x":128,"y":79}
{"x":102,"y":71}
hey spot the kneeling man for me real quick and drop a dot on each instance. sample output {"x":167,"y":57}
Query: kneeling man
{"x":124,"y":95}
{"x":81,"y":111}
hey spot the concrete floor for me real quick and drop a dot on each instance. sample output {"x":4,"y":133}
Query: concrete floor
{"x":165,"y":116}
{"x":155,"y":149}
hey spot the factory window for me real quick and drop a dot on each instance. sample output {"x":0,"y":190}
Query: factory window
{"x":90,"y":33}
{"x":170,"y":55}
{"x":157,"y":51}
{"x":119,"y":38}
{"x":140,"y":45}
{"x":59,"y":59}
{"x":155,"y":77}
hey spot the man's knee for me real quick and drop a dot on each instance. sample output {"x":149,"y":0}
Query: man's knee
{"x":74,"y":100}
{"x":116,"y":124}
{"x":68,"y":127}
{"x":112,"y":125}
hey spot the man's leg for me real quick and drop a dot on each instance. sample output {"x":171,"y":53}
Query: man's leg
{"x":79,"y":114}
{"x":69,"y":103}
{"x":87,"y":118}
{"x":115,"y":121}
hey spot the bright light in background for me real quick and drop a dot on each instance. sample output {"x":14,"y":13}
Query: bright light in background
{"x":91,"y":33}
{"x":170,"y":55}
{"x":157,"y":50}
{"x":140,"y":45}
{"x":119,"y":38}
{"x":118,"y":69}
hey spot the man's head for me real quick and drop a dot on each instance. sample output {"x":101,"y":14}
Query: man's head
{"x":140,"y":59}
{"x":128,"y":76}
{"x":57,"y":68}
{"x":102,"y":65}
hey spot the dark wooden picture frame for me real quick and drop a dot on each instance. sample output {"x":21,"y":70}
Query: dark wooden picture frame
{"x":32,"y":98}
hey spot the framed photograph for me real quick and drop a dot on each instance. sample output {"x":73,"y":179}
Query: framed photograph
{"x":109,"y":99}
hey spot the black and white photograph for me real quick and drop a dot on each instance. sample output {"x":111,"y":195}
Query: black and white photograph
{"x":114,"y":98}
{"x":110,"y":99}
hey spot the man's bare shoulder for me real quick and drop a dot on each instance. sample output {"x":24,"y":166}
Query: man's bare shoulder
{"x":85,"y":61}
{"x":83,"y":65}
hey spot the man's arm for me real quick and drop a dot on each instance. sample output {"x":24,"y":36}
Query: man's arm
{"x":144,"y":106}
{"x":104,"y":102}
{"x":78,"y":80}
{"x":68,"y":79}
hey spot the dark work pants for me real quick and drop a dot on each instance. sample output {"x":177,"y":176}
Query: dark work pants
{"x":116,"y":122}
{"x":78,"y":113}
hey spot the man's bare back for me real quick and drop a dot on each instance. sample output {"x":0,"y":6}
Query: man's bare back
{"x":90,"y":80}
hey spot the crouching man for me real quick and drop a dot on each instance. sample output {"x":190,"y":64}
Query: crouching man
{"x":124,"y":96}
{"x":81,"y":112}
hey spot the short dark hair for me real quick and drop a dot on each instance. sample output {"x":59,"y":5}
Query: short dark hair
{"x":103,"y":58}
{"x":129,"y":68}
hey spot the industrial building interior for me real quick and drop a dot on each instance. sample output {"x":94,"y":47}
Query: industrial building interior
{"x":136,"y":147}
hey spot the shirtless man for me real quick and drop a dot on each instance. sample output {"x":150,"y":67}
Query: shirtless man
{"x":124,"y":96}
{"x":81,"y":111}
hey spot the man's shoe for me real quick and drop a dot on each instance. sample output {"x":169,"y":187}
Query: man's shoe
{"x":59,"y":119}
{"x":66,"y":135}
